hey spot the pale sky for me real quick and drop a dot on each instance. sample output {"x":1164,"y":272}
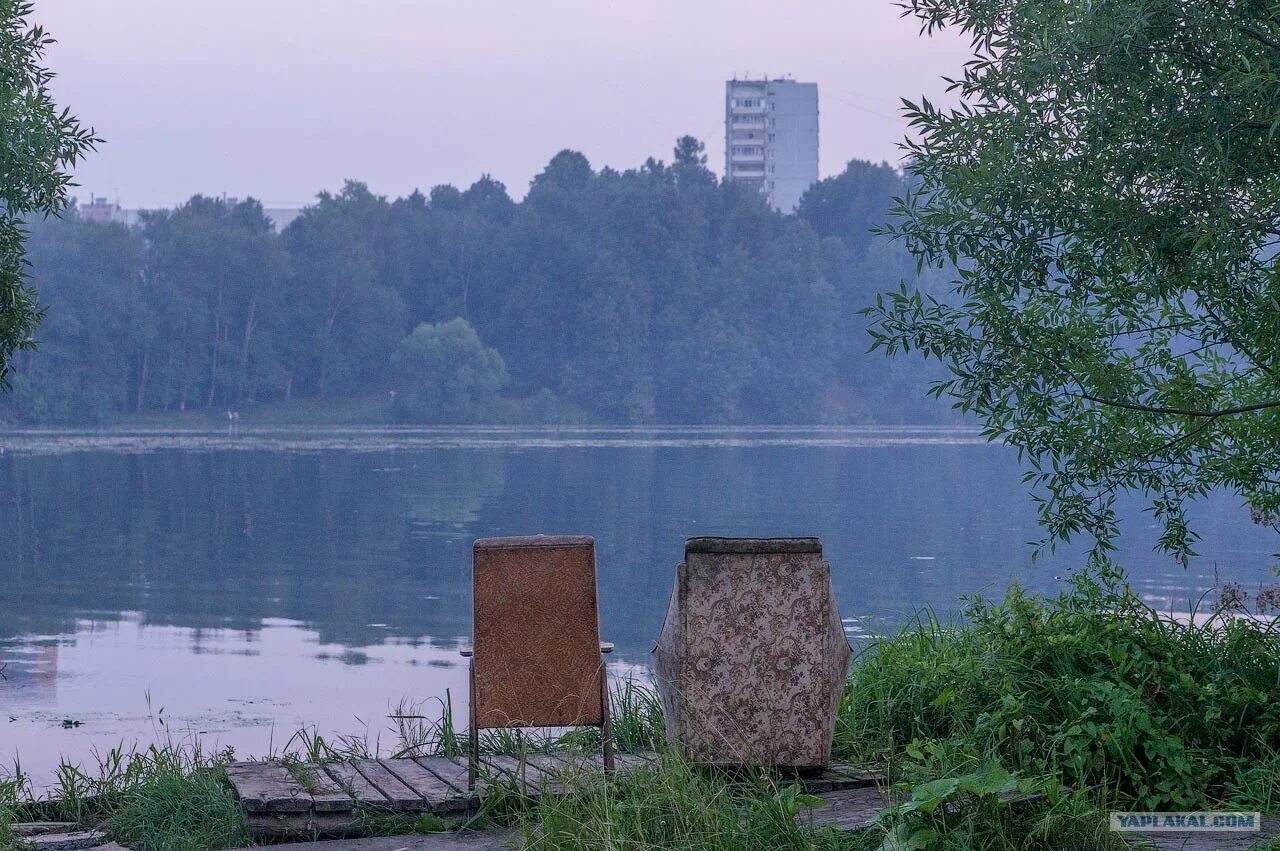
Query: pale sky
{"x":279,"y":99}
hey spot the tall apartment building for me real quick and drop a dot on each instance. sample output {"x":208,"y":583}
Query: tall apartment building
{"x":771,"y":137}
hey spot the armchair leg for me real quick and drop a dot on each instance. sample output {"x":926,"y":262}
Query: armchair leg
{"x":473,"y":736}
{"x":606,"y":726}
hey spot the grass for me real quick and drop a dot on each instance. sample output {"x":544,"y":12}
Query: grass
{"x":675,"y":806}
{"x":1088,"y":701}
{"x":164,"y":798}
{"x":1092,"y":687}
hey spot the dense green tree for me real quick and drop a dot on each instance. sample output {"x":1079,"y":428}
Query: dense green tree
{"x":98,"y":320}
{"x":215,"y":271}
{"x":654,"y":294}
{"x":347,"y":317}
{"x":1107,"y":192}
{"x":853,"y":203}
{"x":445,"y":374}
{"x":40,"y":142}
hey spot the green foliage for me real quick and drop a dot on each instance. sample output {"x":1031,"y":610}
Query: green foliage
{"x":178,"y":809}
{"x":1106,"y":192}
{"x":1093,"y":687}
{"x":41,"y":142}
{"x":657,"y":294}
{"x":851,"y":205}
{"x":636,"y":714}
{"x":1257,"y":784}
{"x":164,"y":798}
{"x":676,"y":806}
{"x":446,"y":375}
{"x":989,"y":808}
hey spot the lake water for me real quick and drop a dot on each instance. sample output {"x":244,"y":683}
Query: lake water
{"x":237,"y":586}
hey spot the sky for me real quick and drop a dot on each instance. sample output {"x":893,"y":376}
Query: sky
{"x":280,"y":99}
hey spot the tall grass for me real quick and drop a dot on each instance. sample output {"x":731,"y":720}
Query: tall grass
{"x":1093,"y":686}
{"x":675,"y":806}
{"x":163,"y":798}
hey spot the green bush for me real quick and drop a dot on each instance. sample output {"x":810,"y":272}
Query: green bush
{"x":446,"y":374}
{"x":1093,"y":686}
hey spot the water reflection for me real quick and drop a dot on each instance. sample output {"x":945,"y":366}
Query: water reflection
{"x":255,"y":581}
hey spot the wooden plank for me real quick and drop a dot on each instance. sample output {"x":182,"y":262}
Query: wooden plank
{"x":450,"y":771}
{"x":399,"y":795}
{"x":355,"y":784}
{"x":557,"y":777}
{"x":526,"y":777}
{"x":467,"y":840}
{"x":326,"y":795}
{"x":302,"y":824}
{"x":438,"y":795}
{"x":267,"y":787}
{"x":594,"y":762}
{"x":853,"y":777}
{"x":850,"y":809}
{"x":35,"y":828}
{"x":581,"y":763}
{"x":64,"y":841}
{"x":632,"y":761}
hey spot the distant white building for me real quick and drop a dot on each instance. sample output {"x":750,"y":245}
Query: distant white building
{"x":771,"y":138}
{"x":101,"y":209}
{"x":281,"y":216}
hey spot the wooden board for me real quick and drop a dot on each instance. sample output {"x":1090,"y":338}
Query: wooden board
{"x":439,"y":796}
{"x":326,"y":795}
{"x":73,"y":841}
{"x":526,"y":777}
{"x":268,"y":787}
{"x":450,"y":771}
{"x":851,"y":809}
{"x":356,"y":784}
{"x":399,"y":795}
{"x":36,"y":828}
{"x":470,"y":840}
{"x":582,"y":762}
{"x":558,"y":777}
{"x":276,"y":802}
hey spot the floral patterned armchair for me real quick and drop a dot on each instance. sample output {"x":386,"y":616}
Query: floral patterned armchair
{"x":753,"y":655}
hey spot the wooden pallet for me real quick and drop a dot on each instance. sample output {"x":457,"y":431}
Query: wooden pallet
{"x":280,"y":798}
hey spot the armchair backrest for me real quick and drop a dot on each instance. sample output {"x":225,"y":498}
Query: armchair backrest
{"x":537,"y":660}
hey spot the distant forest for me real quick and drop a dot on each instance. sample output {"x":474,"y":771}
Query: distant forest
{"x":654,"y":295}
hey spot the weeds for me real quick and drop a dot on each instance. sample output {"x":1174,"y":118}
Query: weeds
{"x":675,"y":806}
{"x":1094,"y":687}
{"x":177,"y":809}
{"x":164,"y":798}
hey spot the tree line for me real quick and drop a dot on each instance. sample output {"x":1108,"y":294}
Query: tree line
{"x":656,"y":294}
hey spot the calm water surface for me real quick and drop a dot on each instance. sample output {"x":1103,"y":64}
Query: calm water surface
{"x":236,"y":586}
